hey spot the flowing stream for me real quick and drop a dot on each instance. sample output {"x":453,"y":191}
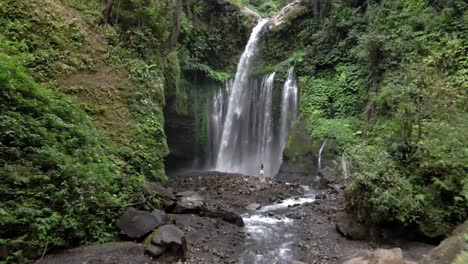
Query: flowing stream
{"x":270,"y":235}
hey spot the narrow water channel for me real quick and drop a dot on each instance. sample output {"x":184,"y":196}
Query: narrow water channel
{"x":271,"y":236}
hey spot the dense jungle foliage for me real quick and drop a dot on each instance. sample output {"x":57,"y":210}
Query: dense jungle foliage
{"x":387,"y":80}
{"x":83,"y":88}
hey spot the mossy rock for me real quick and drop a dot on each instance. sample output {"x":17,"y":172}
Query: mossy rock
{"x":299,"y":155}
{"x":453,"y":249}
{"x":299,"y":144}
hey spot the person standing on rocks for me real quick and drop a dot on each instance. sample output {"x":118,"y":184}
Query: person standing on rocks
{"x":261,"y":171}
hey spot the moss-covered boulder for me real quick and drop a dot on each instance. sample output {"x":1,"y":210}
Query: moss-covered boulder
{"x":300,"y":153}
{"x":454,"y":249}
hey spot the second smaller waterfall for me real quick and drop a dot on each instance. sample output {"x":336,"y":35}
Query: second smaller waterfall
{"x":319,"y":162}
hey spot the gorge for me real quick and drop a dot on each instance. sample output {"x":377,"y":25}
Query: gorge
{"x":123,"y":121}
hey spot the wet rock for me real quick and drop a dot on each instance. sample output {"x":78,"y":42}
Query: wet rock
{"x":168,"y":234}
{"x":321,"y":196}
{"x":154,"y":188}
{"x":253,"y":206}
{"x":137,"y":224}
{"x":379,"y":256}
{"x":154,"y":250}
{"x":338,"y":188}
{"x":328,"y":175}
{"x":294,"y":215}
{"x":170,"y":241}
{"x":188,"y":203}
{"x":225,"y":215}
{"x":350,"y":228}
{"x":161,"y":215}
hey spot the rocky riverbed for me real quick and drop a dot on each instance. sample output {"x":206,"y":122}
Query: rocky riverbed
{"x":295,"y":223}
{"x":231,"y":218}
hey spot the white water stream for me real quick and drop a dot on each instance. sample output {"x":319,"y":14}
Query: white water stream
{"x":243,"y":131}
{"x":270,"y":234}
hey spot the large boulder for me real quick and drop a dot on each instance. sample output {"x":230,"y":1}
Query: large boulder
{"x":350,"y":228}
{"x":327,"y":176}
{"x":300,"y":154}
{"x":136,"y":224}
{"x":168,"y":240}
{"x":226,"y":215}
{"x":156,"y":189}
{"x":188,"y":203}
{"x":281,"y":18}
{"x":161,"y":216}
{"x":379,"y":256}
{"x":154,"y":250}
{"x":451,"y":249}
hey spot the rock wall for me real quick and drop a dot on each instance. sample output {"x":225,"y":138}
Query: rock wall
{"x":300,"y":155}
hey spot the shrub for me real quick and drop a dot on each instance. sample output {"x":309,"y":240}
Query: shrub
{"x":59,"y":185}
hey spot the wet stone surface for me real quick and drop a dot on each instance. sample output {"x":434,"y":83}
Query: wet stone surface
{"x":283,"y":222}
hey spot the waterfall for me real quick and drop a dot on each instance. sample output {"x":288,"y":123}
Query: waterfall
{"x":344,"y":166}
{"x":319,"y":165}
{"x":288,"y":106}
{"x":243,"y":129}
{"x":238,"y":108}
{"x":254,"y":133}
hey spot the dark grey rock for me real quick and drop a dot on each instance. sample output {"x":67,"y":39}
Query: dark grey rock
{"x":173,"y":240}
{"x":225,"y":215}
{"x":137,"y":224}
{"x":350,"y":228}
{"x":156,"y":189}
{"x":154,"y":250}
{"x":189,"y":202}
{"x":320,"y":196}
{"x":161,"y":215}
{"x":168,"y":234}
{"x":338,"y":188}
{"x":328,"y":175}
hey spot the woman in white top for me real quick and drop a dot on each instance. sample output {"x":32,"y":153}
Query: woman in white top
{"x":261,"y":170}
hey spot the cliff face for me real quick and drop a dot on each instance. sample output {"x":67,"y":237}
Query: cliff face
{"x":210,"y":50}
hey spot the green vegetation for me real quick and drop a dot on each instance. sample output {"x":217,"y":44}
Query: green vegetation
{"x":266,"y":8}
{"x":60,"y":185}
{"x":388,"y":82}
{"x":84,"y":89}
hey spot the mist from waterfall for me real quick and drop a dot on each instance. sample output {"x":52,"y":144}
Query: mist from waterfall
{"x":244,"y":129}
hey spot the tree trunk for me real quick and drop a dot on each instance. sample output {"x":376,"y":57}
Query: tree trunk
{"x":107,"y":11}
{"x":173,"y":37}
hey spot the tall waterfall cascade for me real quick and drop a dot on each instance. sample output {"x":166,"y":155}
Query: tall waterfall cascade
{"x":243,"y":130}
